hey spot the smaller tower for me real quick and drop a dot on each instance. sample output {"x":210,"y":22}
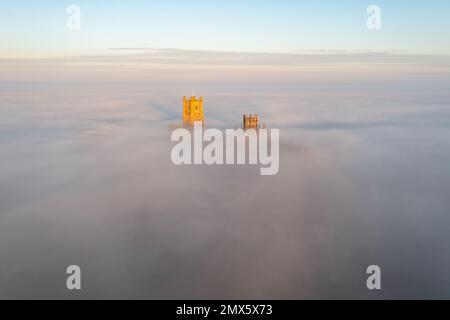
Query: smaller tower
{"x":250,"y":122}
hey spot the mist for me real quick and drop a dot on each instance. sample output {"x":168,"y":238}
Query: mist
{"x":86,"y":179}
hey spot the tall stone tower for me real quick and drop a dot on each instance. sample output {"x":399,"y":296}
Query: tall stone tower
{"x":193,"y":110}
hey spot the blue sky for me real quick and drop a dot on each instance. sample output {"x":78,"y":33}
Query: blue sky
{"x":38,"y":28}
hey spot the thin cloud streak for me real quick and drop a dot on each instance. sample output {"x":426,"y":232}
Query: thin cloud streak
{"x":220,"y":58}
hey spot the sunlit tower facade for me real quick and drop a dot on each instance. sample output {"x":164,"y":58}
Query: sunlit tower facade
{"x":193,"y":110}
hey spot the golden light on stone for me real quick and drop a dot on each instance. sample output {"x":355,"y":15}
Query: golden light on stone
{"x":193,"y":110}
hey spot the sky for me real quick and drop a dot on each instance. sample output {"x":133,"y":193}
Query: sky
{"x":30,"y":29}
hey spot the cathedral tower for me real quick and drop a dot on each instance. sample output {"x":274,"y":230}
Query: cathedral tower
{"x":193,"y":110}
